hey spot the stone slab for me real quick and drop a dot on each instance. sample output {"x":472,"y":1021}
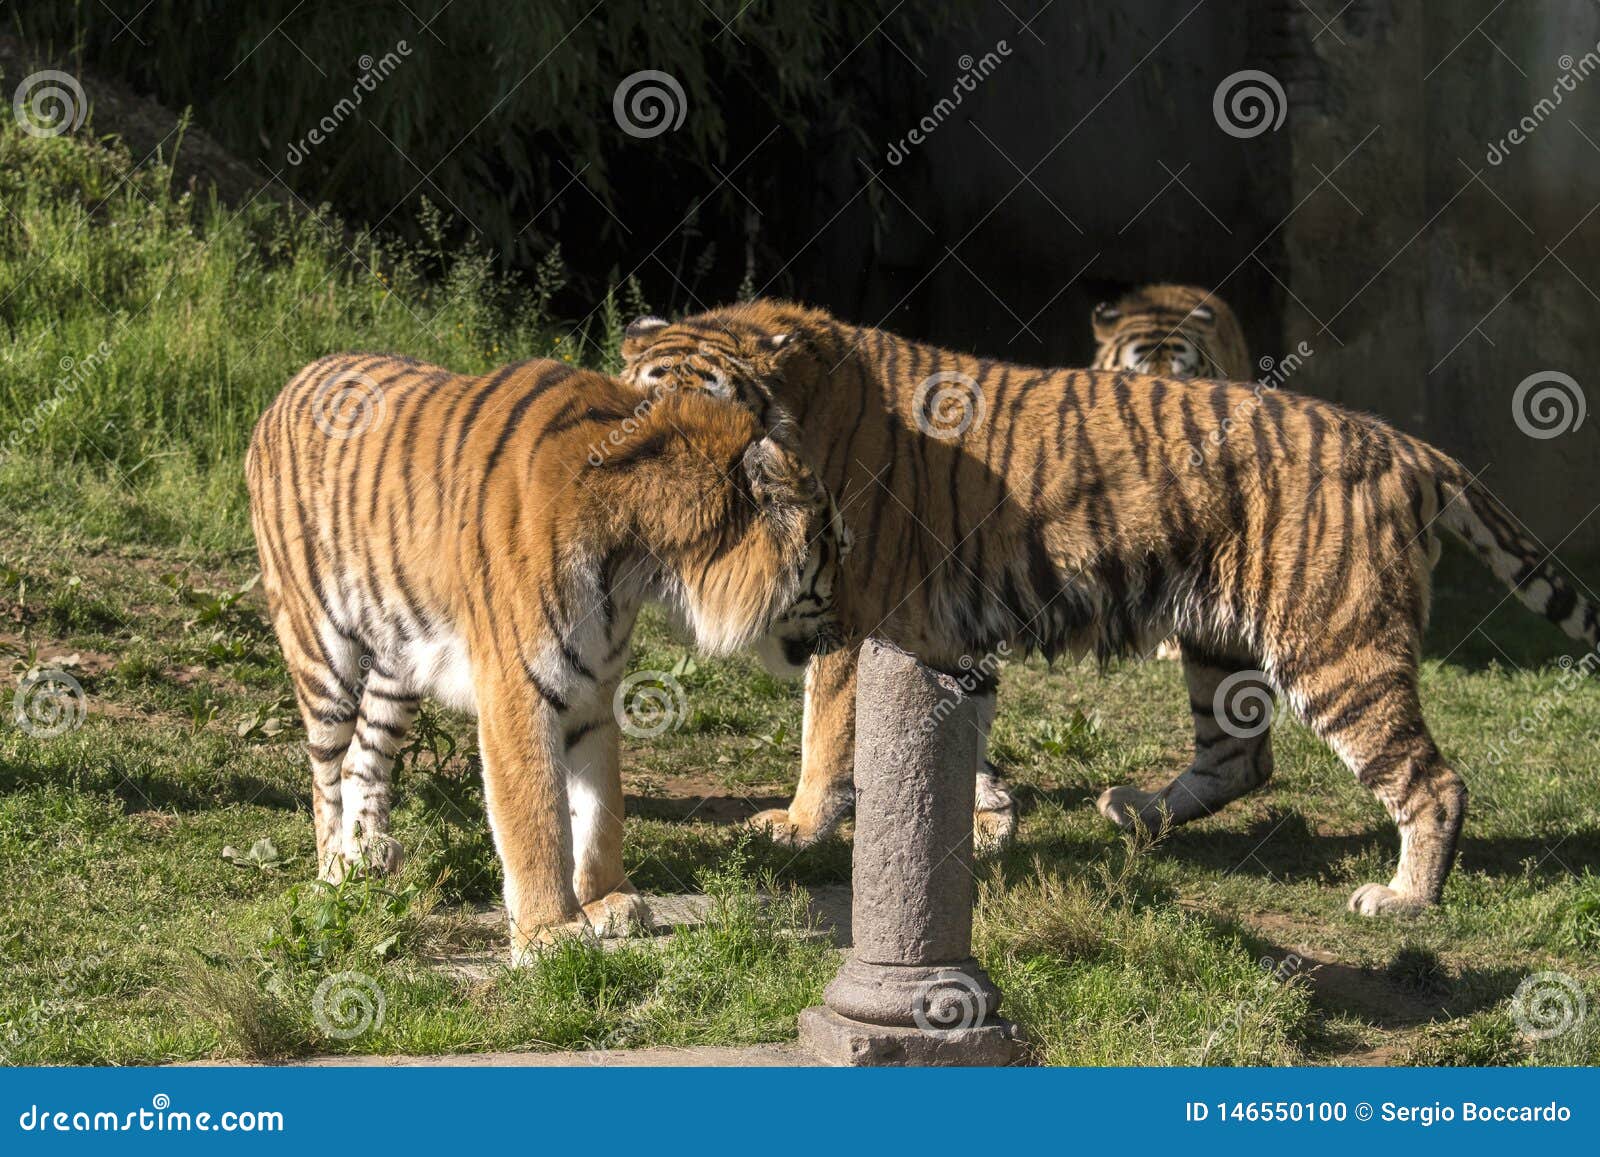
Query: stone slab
{"x":840,"y":1042}
{"x":764,"y":1056}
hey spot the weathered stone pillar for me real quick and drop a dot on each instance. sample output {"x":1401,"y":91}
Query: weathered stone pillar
{"x":910,"y":992}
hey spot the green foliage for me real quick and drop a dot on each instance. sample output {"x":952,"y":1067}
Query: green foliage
{"x":145,"y":333}
{"x":504,"y":112}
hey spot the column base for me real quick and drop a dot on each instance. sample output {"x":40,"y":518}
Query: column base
{"x":838,"y":1040}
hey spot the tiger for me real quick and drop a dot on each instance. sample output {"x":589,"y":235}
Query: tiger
{"x":1182,"y":331}
{"x":1288,"y":542}
{"x":489,"y":541}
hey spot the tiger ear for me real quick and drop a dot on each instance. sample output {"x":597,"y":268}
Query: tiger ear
{"x":1204,"y":314}
{"x":778,"y":346}
{"x":639,"y":333}
{"x":1105,"y":316}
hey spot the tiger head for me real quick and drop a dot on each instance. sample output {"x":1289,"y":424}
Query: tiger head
{"x":737,"y":353}
{"x":774,"y":589}
{"x":783,"y":487}
{"x":1177,"y":330}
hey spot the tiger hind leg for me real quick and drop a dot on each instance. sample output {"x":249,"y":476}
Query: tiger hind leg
{"x":387,"y":709}
{"x":1232,"y":708}
{"x":328,"y":710}
{"x":1374,"y":722}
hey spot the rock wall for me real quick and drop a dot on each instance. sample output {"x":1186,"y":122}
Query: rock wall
{"x":1430,"y":274}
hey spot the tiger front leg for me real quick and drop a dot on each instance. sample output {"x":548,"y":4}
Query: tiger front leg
{"x":594,"y":794}
{"x":826,"y":791}
{"x":1232,"y":707}
{"x":525,"y":792}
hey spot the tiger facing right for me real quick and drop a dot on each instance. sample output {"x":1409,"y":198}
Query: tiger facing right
{"x":1068,"y":511}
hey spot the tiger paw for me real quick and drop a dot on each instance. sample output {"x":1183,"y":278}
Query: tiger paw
{"x":780,"y":828}
{"x":526,"y":948}
{"x":1381,"y":900}
{"x":618,"y":913}
{"x":381,"y":855}
{"x":1124,"y":806}
{"x":377,"y":855}
{"x":994,"y":812}
{"x":992,"y":828}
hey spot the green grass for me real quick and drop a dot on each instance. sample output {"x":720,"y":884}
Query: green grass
{"x":157,"y":859}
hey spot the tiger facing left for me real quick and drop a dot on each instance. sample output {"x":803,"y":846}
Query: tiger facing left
{"x":489,"y":541}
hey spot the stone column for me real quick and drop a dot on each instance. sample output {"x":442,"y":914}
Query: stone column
{"x":910,"y":992}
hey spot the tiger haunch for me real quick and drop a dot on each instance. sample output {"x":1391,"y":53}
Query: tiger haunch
{"x":423,"y":532}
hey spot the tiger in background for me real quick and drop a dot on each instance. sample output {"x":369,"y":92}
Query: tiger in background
{"x":1176,"y":331}
{"x":490,"y":541}
{"x":1066,"y":511}
{"x":1180,"y":331}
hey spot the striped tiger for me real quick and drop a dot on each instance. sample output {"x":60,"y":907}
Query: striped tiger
{"x":1286,"y":541}
{"x":489,"y":541}
{"x":1181,"y":331}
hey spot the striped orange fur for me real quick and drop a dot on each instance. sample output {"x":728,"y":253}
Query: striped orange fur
{"x":489,"y":541}
{"x":1181,"y":331}
{"x":1287,"y":542}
